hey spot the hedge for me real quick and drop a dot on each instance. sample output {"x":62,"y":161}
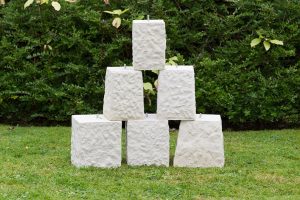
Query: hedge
{"x":53,"y":63}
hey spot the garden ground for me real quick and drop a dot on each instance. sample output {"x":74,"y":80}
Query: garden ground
{"x":35,"y":164}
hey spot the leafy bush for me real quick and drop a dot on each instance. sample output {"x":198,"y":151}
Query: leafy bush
{"x":53,"y":63}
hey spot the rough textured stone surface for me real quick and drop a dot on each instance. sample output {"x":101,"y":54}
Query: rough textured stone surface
{"x":95,"y":141}
{"x":200,"y":143}
{"x":148,"y":142}
{"x":148,"y":44}
{"x":176,"y":93}
{"x":124,"y":94}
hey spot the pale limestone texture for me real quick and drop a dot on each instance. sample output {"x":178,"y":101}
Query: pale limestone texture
{"x":95,"y":141}
{"x":148,"y":142}
{"x":200,"y":143}
{"x":176,"y":93}
{"x":148,"y":44}
{"x":124,"y":94}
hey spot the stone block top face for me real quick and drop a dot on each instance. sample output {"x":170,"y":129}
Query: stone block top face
{"x":124,"y":94}
{"x":89,"y":118}
{"x":124,"y":71}
{"x":148,"y":44}
{"x":121,"y":70}
{"x":180,"y":68}
{"x":176,"y":93}
{"x":151,"y":21}
{"x":148,"y":30}
{"x":148,"y":121}
{"x":150,"y":118}
{"x":208,"y":118}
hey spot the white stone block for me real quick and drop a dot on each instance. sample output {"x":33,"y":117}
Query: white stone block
{"x":148,"y":142}
{"x":95,"y":141}
{"x":200,"y":143}
{"x":176,"y":93}
{"x":148,"y":44}
{"x":124,"y":94}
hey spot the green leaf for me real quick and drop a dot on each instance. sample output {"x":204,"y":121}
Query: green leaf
{"x":156,"y":83}
{"x":109,"y":12}
{"x":71,"y":1}
{"x":171,"y":62}
{"x":124,"y":11}
{"x":44,"y":1}
{"x":116,"y":22}
{"x":28,"y":3}
{"x":255,"y":42}
{"x":56,"y":5}
{"x":148,"y":86}
{"x":247,"y":113}
{"x":155,"y":71}
{"x":267,"y":45}
{"x":116,"y":12}
{"x":14,"y":97}
{"x":278,"y":42}
{"x":50,"y":47}
{"x":174,"y":58}
{"x":140,"y":17}
{"x":259,"y":34}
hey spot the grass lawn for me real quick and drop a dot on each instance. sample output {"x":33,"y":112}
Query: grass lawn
{"x":35,"y":164}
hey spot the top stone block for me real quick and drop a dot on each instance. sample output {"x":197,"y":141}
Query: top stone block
{"x":148,"y":44}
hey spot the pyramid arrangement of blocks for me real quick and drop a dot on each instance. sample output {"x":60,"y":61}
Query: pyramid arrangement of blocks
{"x":96,"y":139}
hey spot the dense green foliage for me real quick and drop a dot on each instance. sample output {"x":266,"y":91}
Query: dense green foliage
{"x":247,"y":86}
{"x":259,"y":165}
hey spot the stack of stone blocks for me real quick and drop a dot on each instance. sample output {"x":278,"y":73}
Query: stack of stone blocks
{"x":96,"y":139}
